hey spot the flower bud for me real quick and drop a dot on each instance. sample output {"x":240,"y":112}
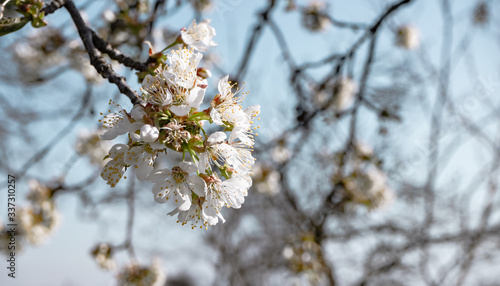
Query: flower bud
{"x":149,"y":133}
{"x":204,"y":73}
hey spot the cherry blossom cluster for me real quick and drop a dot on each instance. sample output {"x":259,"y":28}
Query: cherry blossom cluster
{"x":314,"y":17}
{"x":303,"y":256}
{"x":36,"y":222}
{"x":363,"y":181}
{"x":136,"y":274}
{"x":215,"y":168}
{"x":41,"y":218}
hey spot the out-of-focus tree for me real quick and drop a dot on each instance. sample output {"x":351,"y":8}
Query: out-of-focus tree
{"x":380,"y":165}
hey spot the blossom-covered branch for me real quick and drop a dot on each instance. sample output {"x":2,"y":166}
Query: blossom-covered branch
{"x":215,"y":169}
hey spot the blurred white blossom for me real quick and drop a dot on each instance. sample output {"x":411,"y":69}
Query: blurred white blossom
{"x":266,"y":179}
{"x":368,"y":187}
{"x":134,"y":274}
{"x":344,"y":90}
{"x":408,"y":37}
{"x":280,"y":153}
{"x":314,"y":17}
{"x":102,"y":254}
{"x":38,"y":222}
{"x":91,"y":145}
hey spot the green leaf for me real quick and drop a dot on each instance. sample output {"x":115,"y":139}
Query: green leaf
{"x":9,"y":25}
{"x":198,"y":116}
{"x":38,"y":21}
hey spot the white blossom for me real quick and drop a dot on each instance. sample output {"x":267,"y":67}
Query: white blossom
{"x":108,"y":15}
{"x":229,"y":193}
{"x":288,"y":252}
{"x":117,"y":124}
{"x":155,"y":90}
{"x":227,"y":111}
{"x":141,"y":158}
{"x":219,"y":153}
{"x":138,"y":113}
{"x":114,"y":169}
{"x":181,"y":77}
{"x":196,"y":215}
{"x":206,"y":211}
{"x":362,"y":150}
{"x":168,"y":118}
{"x":182,"y":68}
{"x":242,"y":160}
{"x":199,"y":36}
{"x":177,"y":185}
{"x":408,"y":37}
{"x":226,"y":106}
{"x":39,"y":221}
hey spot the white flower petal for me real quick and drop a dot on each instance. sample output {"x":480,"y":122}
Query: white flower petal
{"x":138,"y":112}
{"x":196,"y":97}
{"x":199,"y":186}
{"x":217,"y":137}
{"x":253,"y":110}
{"x":159,"y":176}
{"x":159,"y":193}
{"x":180,"y":110}
{"x":143,"y":172}
{"x":182,"y":204}
{"x":199,"y":36}
{"x":188,"y":167}
{"x":216,"y":116}
{"x":224,"y":86}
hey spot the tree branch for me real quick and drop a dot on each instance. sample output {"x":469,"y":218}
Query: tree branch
{"x":116,"y":55}
{"x":53,"y":6}
{"x":104,"y":68}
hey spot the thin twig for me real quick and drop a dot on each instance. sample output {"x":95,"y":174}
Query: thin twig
{"x":116,"y":55}
{"x":59,"y":136}
{"x":53,"y":6}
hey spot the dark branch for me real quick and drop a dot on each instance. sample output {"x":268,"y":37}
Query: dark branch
{"x":257,"y":30}
{"x":53,"y":6}
{"x":116,"y":55}
{"x":59,"y":136}
{"x":96,"y":59}
{"x":340,"y":24}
